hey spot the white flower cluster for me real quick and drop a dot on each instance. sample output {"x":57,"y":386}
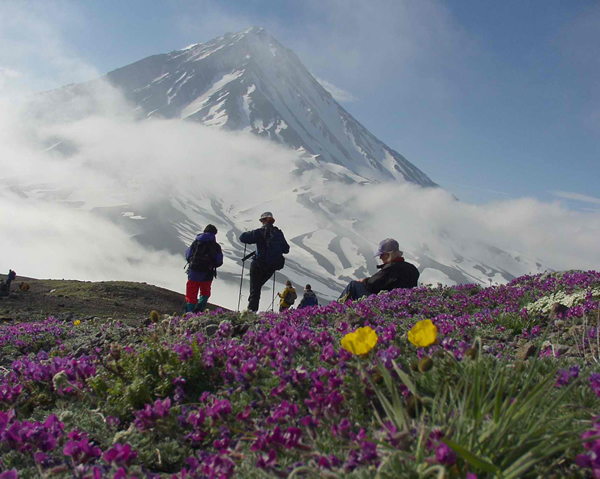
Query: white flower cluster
{"x":544,"y":304}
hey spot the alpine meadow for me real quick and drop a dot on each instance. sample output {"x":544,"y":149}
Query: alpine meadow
{"x":247,"y":282}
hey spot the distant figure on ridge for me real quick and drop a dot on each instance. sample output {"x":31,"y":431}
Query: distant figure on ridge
{"x":270,"y":248}
{"x":204,"y":256}
{"x":5,"y":287}
{"x":287,"y":297}
{"x":395,"y":273}
{"x":309,"y":299}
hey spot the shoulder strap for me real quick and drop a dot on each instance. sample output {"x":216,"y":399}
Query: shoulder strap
{"x":193,"y":249}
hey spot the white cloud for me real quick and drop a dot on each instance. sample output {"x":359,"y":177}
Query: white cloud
{"x":337,"y":93}
{"x":10,"y":73}
{"x":48,"y":240}
{"x":46,"y":235}
{"x":31,"y":34}
{"x":7,"y":75}
{"x":562,"y":238}
{"x":577,"y":197}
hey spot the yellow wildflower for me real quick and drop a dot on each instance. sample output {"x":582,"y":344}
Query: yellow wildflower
{"x":360,"y":341}
{"x":76,"y":322}
{"x":423,"y":334}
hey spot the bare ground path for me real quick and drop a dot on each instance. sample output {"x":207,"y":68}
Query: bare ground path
{"x":70,"y":300}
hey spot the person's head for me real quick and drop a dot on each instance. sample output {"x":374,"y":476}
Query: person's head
{"x":211,"y":229}
{"x":288,"y":283}
{"x":389,"y":250}
{"x":308,"y":287}
{"x":267,"y":218}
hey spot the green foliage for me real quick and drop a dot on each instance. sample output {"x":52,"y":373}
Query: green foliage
{"x":18,"y":461}
{"x":497,"y":422}
{"x":161,"y":451}
{"x":513,"y":322}
{"x":139,"y":378}
{"x":500,"y":418}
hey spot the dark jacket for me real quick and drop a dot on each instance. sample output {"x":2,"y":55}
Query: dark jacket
{"x":257,"y":237}
{"x":309,"y":299}
{"x":396,"y":274}
{"x":194,"y":275}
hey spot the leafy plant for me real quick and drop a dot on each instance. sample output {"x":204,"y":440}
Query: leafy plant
{"x":498,"y":423}
{"x":138,"y":378}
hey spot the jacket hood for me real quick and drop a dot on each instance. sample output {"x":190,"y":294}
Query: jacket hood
{"x":204,"y":237}
{"x":309,"y":293}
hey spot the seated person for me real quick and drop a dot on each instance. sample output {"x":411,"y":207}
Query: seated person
{"x":394,"y":273}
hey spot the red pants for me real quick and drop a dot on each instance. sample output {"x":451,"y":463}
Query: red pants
{"x":191,"y":290}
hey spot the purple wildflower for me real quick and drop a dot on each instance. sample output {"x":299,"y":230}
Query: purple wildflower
{"x":445,"y":455}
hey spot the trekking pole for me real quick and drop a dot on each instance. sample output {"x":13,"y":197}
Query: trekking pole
{"x":242,"y":277}
{"x":273,"y":303}
{"x":271,"y":306}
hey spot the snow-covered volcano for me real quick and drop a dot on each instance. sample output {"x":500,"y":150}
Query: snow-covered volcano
{"x":241,"y":84}
{"x":249,"y":82}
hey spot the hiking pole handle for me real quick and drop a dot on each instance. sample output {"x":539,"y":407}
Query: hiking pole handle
{"x":248,"y":256}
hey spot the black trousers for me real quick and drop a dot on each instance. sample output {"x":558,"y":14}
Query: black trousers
{"x":259,"y":275}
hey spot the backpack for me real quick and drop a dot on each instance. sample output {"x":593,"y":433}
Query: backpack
{"x":310,"y":300}
{"x":275,"y":242}
{"x":290,"y":297}
{"x":203,"y":256}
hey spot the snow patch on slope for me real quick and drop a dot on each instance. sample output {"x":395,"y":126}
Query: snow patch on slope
{"x":197,"y":105}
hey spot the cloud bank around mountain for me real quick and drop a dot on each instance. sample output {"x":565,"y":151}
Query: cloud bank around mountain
{"x":51,"y":206}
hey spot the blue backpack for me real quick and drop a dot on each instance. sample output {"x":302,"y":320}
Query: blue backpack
{"x":275,"y":242}
{"x":310,"y":301}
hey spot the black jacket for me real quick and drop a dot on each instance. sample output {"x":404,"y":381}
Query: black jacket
{"x":258,"y":237}
{"x":398,"y":274}
{"x":309,"y":299}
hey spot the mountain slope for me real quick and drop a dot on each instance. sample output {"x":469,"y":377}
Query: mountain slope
{"x":247,"y":84}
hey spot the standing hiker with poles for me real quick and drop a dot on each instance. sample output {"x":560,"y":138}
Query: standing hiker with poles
{"x":244,"y":259}
{"x":270,"y":248}
{"x":204,"y":257}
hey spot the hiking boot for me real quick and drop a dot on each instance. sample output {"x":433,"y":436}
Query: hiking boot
{"x":201,"y":306}
{"x":190,"y":307}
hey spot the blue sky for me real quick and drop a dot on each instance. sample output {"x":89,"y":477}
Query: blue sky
{"x":492,"y":100}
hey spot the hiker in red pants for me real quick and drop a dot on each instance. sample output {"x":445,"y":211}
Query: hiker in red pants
{"x":204,"y":257}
